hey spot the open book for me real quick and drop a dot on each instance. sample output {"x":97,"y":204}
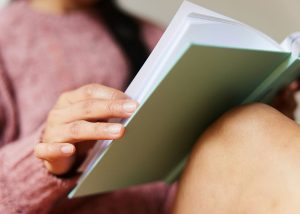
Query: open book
{"x":204,"y":64}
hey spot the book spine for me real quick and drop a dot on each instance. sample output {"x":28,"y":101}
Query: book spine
{"x":176,"y":172}
{"x":280,"y":77}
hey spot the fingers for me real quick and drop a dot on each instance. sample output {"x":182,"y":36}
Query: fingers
{"x":84,"y":131}
{"x":93,"y":110}
{"x":73,"y":119}
{"x":58,"y":157}
{"x":92,"y":91}
{"x":54,"y":151}
{"x":293,"y":86}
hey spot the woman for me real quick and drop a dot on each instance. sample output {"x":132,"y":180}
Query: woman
{"x":51,"y":51}
{"x":50,"y":47}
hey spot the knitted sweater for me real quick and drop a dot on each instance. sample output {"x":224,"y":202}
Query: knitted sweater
{"x":41,"y":56}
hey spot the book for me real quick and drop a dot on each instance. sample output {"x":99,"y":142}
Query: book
{"x":204,"y":65}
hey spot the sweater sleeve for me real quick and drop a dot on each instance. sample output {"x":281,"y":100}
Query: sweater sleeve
{"x":25,"y":185}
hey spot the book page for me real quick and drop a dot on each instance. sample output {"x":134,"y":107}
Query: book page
{"x":198,"y":25}
{"x":292,"y":44}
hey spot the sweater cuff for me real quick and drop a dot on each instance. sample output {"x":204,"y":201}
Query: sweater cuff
{"x":26,"y":185}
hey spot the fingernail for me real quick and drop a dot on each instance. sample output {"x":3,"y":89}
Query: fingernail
{"x":115,"y":129}
{"x":67,"y":149}
{"x":130,"y":107}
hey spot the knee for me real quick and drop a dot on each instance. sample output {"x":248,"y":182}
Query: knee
{"x":251,"y":149}
{"x":253,"y":123}
{"x":245,"y":140}
{"x":246,"y":131}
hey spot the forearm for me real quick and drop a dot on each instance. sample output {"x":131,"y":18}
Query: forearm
{"x":25,"y":185}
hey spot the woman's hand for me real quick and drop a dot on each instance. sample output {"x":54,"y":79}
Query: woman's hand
{"x":285,"y":100}
{"x":74,"y":120}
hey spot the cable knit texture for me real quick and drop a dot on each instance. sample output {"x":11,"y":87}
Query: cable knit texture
{"x":41,"y":56}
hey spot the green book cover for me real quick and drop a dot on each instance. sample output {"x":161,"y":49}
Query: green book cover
{"x":204,"y":83}
{"x":204,"y":65}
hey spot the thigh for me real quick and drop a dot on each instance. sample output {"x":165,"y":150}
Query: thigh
{"x":247,"y":162}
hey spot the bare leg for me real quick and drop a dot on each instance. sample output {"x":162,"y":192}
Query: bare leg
{"x":247,"y":162}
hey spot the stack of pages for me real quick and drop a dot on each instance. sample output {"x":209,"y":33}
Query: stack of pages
{"x":204,"y":65}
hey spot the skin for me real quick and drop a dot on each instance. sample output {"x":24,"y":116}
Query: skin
{"x":285,"y":100}
{"x":61,"y":6}
{"x":247,"y":162}
{"x":74,"y":120}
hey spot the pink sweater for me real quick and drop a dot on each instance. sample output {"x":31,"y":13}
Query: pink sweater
{"x":40,"y":57}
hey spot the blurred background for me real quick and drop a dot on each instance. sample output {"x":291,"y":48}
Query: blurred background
{"x":277,"y":18}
